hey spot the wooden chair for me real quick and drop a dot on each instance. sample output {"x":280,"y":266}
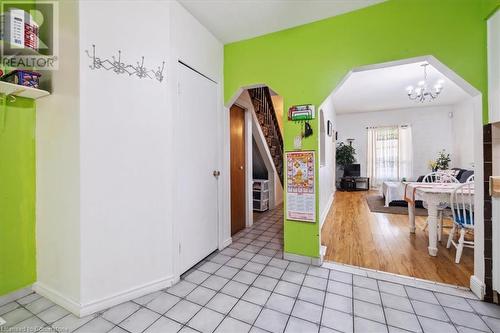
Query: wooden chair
{"x":462,"y":207}
{"x":439,"y":177}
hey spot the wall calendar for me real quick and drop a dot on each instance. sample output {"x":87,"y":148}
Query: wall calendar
{"x":300,"y":189}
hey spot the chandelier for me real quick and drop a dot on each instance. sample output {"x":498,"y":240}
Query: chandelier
{"x":422,"y":92}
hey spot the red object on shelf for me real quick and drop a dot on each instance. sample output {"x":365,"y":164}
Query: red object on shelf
{"x":31,"y":36}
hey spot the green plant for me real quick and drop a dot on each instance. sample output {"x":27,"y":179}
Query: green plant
{"x":345,"y":154}
{"x":443,"y":160}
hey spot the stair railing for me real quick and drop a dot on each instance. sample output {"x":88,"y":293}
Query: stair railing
{"x":268,"y":121}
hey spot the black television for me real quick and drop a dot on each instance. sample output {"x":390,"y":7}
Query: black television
{"x":352,"y":170}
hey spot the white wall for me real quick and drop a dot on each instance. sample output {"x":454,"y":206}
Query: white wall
{"x":328,"y":170}
{"x":431,"y":131}
{"x":122,"y":213}
{"x":463,"y":133}
{"x":58,"y":167}
{"x":124,"y":124}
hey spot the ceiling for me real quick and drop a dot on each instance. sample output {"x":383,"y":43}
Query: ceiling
{"x":385,"y":89}
{"x":234,"y":20}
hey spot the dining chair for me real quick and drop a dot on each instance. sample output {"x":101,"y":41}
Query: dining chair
{"x":462,"y":207}
{"x":441,"y":178}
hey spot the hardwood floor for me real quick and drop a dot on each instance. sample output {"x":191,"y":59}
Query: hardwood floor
{"x":355,"y":236}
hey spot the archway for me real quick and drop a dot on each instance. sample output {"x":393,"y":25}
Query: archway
{"x":475,"y":98}
{"x":263,"y":110}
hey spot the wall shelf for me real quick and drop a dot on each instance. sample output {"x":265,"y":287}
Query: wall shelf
{"x":24,"y":51}
{"x":21,"y":91}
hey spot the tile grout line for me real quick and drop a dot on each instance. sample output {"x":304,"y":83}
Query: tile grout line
{"x":250,"y":245}
{"x":240,"y":298}
{"x":295,"y":299}
{"x":34,"y":315}
{"x":382,"y":304}
{"x":414,"y":312}
{"x":229,"y":280}
{"x":324,"y":301}
{"x":272,"y":291}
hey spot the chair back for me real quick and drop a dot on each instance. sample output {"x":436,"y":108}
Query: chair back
{"x":470,"y":179}
{"x":462,"y":205}
{"x":439,"y":177}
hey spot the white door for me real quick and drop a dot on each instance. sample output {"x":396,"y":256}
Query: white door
{"x":196,"y":160}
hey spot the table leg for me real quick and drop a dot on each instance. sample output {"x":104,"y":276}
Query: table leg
{"x":432,"y":209}
{"x":411,"y":216}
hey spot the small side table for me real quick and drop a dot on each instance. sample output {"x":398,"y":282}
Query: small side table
{"x":355,"y":183}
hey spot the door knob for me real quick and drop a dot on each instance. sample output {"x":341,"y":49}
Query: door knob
{"x":241,"y":167}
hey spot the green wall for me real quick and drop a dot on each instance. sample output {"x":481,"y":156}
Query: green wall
{"x":17,"y":190}
{"x":17,"y":194}
{"x":304,"y":64}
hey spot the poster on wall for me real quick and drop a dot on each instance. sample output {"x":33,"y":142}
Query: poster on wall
{"x":300,"y":191}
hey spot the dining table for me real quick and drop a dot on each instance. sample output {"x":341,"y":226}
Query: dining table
{"x":435,"y":195}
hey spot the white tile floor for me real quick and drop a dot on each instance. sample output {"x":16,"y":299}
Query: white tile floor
{"x":247,"y":287}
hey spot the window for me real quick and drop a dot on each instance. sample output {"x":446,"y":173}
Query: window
{"x":389,"y":154}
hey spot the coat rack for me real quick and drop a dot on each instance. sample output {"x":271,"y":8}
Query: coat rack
{"x":119,"y":67}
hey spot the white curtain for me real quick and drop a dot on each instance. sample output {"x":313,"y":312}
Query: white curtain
{"x":405,"y":153}
{"x":389,"y":154}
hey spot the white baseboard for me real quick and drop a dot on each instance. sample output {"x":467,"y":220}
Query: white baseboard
{"x":82,"y":310}
{"x":477,"y":286}
{"x":226,"y":243}
{"x":322,"y":253}
{"x":443,"y":288}
{"x":302,"y":259}
{"x":325,"y":211}
{"x":58,"y":298}
{"x":12,"y":296}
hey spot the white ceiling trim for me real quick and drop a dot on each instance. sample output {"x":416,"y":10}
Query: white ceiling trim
{"x":386,"y":84}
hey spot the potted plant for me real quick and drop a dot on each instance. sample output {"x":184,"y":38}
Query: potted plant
{"x":443,"y":160}
{"x":345,"y":155}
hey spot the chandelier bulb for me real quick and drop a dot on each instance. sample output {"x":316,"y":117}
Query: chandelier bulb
{"x":422,"y":93}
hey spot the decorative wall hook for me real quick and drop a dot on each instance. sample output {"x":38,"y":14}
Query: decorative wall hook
{"x":120,"y":67}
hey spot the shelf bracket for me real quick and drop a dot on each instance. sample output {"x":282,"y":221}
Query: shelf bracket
{"x":3,"y":109}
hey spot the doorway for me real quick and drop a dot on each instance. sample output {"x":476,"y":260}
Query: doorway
{"x":254,"y":160}
{"x":238,"y":169}
{"x":371,"y":229}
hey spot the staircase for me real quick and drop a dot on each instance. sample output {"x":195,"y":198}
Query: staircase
{"x":268,"y":121}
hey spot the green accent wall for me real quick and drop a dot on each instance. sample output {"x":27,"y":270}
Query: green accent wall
{"x":304,"y":64}
{"x":17,"y":194}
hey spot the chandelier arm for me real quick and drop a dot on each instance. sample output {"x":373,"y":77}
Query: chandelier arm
{"x":423,"y":93}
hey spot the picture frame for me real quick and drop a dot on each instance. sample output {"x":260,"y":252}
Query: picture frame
{"x":329,"y":128}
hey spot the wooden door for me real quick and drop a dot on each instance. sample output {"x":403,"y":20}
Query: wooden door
{"x":195,"y":157}
{"x":238,"y":211}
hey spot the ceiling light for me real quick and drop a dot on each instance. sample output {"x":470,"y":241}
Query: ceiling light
{"x":423,"y":93}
